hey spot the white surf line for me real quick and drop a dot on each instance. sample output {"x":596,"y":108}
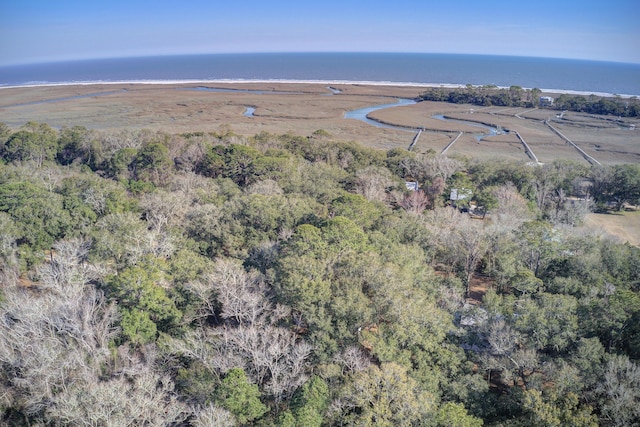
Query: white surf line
{"x":234,"y":81}
{"x":585,"y":155}
{"x":293,"y":81}
{"x":451,"y":143}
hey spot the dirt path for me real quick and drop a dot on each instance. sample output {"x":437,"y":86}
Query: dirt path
{"x":478,"y":286}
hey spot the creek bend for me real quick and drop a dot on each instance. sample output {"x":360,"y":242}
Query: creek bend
{"x":361,"y":114}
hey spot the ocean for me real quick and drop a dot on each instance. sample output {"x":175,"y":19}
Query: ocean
{"x":402,"y":68}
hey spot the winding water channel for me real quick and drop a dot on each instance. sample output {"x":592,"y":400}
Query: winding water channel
{"x":361,"y":114}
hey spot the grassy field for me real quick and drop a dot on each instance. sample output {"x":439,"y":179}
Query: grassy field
{"x":302,"y":108}
{"x":623,"y":226}
{"x":604,"y":138}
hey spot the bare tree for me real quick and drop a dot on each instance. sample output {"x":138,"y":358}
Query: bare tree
{"x":442,"y":166}
{"x":415,"y":202}
{"x":272,"y":356}
{"x":506,"y":352}
{"x":96,"y":198}
{"x":55,"y":352}
{"x":570,"y":211}
{"x":512,"y":208}
{"x":426,"y":167}
{"x":373,"y":182}
{"x":163,"y":210}
{"x":213,"y":416}
{"x":195,"y":187}
{"x":469,"y":243}
{"x":145,"y":398}
{"x":268,"y":187}
{"x":620,"y":390}
{"x":353,"y":359}
{"x":126,"y":239}
{"x":243,"y":295}
{"x":9,"y":268}
{"x":435,"y":190}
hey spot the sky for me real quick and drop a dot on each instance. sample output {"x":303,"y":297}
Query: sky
{"x":46,"y":30}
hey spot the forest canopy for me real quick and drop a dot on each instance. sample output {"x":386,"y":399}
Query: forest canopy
{"x":515,"y":96}
{"x":213,"y":279}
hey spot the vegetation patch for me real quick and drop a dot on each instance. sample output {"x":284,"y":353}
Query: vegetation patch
{"x":210,"y":278}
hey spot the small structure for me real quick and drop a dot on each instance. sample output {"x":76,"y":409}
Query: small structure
{"x":459,"y":194}
{"x":546,"y":101}
{"x":412,"y":185}
{"x":460,"y":198}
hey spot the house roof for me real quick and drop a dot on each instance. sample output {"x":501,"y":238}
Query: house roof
{"x":459,"y":194}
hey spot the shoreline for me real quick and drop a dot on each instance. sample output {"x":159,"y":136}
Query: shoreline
{"x":290,"y":81}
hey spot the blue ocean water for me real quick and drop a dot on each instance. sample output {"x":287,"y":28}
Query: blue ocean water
{"x":528,"y":72}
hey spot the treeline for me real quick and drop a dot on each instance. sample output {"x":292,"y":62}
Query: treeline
{"x":212,"y":279}
{"x":515,"y":96}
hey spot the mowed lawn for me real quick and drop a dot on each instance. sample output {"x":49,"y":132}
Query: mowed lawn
{"x":625,"y":226}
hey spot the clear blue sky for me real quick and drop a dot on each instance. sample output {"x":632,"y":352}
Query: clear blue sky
{"x":47,"y":30}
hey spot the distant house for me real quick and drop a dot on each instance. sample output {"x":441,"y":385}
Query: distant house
{"x":459,"y":194}
{"x":546,"y":101}
{"x":460,"y":198}
{"x":412,"y":185}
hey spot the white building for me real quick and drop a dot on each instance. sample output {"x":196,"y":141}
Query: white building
{"x":546,"y":101}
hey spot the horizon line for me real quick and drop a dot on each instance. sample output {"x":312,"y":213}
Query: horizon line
{"x":328,"y":52}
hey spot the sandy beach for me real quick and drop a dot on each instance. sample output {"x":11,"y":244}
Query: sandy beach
{"x":303,"y":107}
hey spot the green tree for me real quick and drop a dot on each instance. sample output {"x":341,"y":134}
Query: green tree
{"x":137,"y":327}
{"x":357,"y":209}
{"x":533,"y":96}
{"x":551,"y":409}
{"x":39,"y":214}
{"x":5,"y":132}
{"x":537,"y":245}
{"x":549,"y":321}
{"x":318,"y":180}
{"x":239,"y":163}
{"x":486,"y":200}
{"x":619,"y":184}
{"x":310,"y":402}
{"x":385,"y":396}
{"x":34,"y":141}
{"x":319,"y":273}
{"x":455,"y":415}
{"x":140,"y":288}
{"x":236,"y":394}
{"x":120,"y":165}
{"x":152,"y":162}
{"x":273,"y":165}
{"x":75,"y":143}
{"x":524,"y":282}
